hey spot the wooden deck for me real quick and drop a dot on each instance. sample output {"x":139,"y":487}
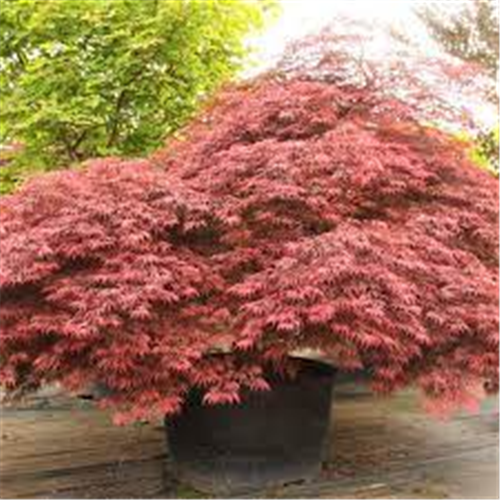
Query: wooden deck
{"x":56,"y":447}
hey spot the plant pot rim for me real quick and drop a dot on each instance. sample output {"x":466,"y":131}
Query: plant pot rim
{"x":306,"y":353}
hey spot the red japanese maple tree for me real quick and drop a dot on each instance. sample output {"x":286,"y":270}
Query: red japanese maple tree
{"x":293,"y":214}
{"x":435,"y":87}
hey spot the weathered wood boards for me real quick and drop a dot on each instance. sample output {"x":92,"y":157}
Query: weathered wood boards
{"x":384,"y":447}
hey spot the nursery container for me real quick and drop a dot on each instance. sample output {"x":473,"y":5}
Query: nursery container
{"x":270,"y":438}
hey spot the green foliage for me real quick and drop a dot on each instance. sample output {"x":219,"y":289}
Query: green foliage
{"x":485,"y":154}
{"x":10,"y":173}
{"x":91,"y":78}
{"x":484,"y":150}
{"x":187,"y":491}
{"x":10,"y":177}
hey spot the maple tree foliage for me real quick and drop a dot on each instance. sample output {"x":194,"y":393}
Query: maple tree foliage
{"x":292,"y":214}
{"x":434,"y":86}
{"x":99,"y":285}
{"x":351,"y":229}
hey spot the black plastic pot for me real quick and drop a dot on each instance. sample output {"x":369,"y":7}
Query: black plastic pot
{"x":270,"y":438}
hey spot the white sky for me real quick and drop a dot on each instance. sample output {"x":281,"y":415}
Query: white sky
{"x":300,"y":17}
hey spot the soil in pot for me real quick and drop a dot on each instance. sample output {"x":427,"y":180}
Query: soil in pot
{"x":270,"y":438}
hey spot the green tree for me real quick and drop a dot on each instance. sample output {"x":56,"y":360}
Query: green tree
{"x":89,"y":78}
{"x":485,"y":152}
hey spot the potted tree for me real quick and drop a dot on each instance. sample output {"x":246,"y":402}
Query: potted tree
{"x":295,"y":216}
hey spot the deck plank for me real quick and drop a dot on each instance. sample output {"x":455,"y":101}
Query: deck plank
{"x":57,"y":447}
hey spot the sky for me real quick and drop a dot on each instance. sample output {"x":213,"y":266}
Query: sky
{"x":300,"y":17}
